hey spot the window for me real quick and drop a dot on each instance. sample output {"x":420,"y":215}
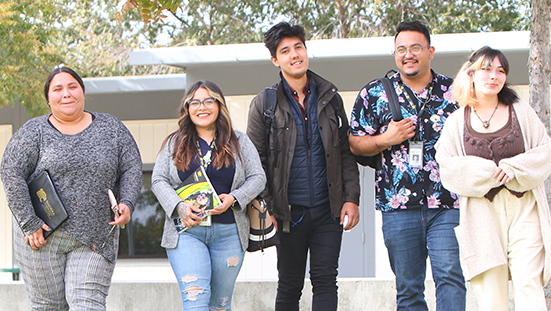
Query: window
{"x":142,"y":236}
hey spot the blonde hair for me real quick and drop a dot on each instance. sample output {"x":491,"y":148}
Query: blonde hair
{"x":463,"y":91}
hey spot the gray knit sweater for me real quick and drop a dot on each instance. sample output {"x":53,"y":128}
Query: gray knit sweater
{"x":83,"y":166}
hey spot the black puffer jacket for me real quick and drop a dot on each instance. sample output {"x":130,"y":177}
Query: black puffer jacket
{"x":342,"y":171}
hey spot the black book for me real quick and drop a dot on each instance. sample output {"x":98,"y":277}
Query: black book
{"x":47,"y":202}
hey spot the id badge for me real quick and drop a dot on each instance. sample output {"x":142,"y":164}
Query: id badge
{"x":416,"y":154}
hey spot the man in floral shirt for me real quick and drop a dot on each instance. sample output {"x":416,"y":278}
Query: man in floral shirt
{"x":419,"y":215}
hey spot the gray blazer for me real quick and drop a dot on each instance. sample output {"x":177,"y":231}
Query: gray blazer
{"x":248,"y":182}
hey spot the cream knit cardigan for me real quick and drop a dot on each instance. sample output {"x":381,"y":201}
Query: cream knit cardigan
{"x":471,"y":177}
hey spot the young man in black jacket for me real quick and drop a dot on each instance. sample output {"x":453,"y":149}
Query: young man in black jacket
{"x":313,"y":180}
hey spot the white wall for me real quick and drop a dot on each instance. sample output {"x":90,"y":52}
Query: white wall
{"x":149,"y":135}
{"x":5,"y":214}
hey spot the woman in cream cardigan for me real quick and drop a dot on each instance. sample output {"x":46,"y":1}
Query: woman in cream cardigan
{"x":495,"y":153}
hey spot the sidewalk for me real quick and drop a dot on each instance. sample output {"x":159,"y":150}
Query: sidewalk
{"x":363,"y":294}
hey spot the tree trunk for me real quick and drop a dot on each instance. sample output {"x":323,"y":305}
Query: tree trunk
{"x":343,"y":17}
{"x":539,"y":70}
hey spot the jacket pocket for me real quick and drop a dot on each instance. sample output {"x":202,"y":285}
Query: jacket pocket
{"x":278,"y":135}
{"x":335,"y":126}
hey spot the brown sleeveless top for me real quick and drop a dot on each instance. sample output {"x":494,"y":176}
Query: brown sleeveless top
{"x":504,"y":143}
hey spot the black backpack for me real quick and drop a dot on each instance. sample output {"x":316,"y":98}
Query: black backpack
{"x":374,"y":161}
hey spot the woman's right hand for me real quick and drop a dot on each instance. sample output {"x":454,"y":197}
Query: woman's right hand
{"x":36,"y":239}
{"x":502,"y":177}
{"x":188,"y":213}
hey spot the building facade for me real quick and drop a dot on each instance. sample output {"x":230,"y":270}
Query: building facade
{"x":148,"y":107}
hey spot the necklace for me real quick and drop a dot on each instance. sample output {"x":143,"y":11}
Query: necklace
{"x":486,"y":123}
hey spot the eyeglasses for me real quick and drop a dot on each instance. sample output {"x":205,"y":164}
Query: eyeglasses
{"x":414,"y":50}
{"x":207,"y":102}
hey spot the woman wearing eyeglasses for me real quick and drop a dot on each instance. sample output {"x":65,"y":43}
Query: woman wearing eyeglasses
{"x":206,"y":259}
{"x":496,"y":154}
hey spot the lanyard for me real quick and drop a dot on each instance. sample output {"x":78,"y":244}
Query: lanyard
{"x":207,"y":158}
{"x":412,"y":104}
{"x":406,"y":93}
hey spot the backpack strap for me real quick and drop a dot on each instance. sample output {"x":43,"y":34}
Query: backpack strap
{"x":392,"y":99}
{"x":270,"y":101}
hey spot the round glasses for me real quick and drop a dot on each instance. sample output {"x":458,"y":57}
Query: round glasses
{"x":414,"y":50}
{"x":208,"y":102}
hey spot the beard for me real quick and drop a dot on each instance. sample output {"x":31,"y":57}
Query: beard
{"x":411,"y":73}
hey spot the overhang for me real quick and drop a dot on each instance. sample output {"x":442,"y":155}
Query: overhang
{"x":349,"y":63}
{"x":135,"y":84}
{"x":136,"y":97}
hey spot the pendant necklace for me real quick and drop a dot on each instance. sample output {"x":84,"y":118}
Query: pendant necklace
{"x":486,"y":124}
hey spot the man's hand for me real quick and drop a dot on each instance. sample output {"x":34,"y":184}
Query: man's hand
{"x":351,"y":210}
{"x":398,"y":132}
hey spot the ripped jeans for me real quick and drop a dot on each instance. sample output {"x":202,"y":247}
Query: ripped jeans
{"x":206,"y":263}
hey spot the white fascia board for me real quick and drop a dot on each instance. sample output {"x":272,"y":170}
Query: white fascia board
{"x":443,"y":43}
{"x":470,"y":42}
{"x":326,"y":49}
{"x":356,"y":47}
{"x":135,"y":84}
{"x":196,"y":55}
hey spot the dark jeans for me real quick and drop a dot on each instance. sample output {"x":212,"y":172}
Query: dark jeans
{"x":411,"y":235}
{"x":320,"y":234}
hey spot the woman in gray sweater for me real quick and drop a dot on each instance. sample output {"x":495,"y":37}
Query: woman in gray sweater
{"x":85,"y":153}
{"x":206,"y":259}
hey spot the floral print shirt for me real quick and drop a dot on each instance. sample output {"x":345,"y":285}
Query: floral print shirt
{"x":397,"y":185}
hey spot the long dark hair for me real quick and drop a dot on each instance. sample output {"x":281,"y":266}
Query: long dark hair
{"x":185,"y":137}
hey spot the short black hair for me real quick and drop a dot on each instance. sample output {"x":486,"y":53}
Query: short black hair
{"x":60,"y":70}
{"x":413,"y":26}
{"x":274,"y":35}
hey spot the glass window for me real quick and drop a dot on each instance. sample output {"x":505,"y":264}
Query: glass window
{"x":142,"y":236}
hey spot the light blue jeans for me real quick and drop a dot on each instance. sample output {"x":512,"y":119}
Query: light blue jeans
{"x":206,"y":263}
